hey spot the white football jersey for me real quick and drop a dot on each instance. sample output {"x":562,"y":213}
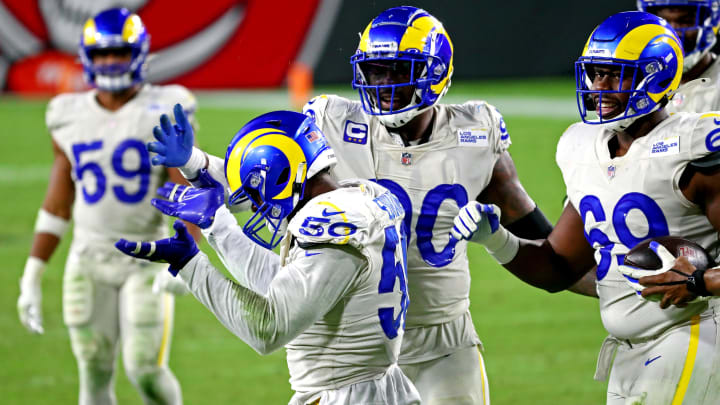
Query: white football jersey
{"x":431,"y":180}
{"x":114,"y":180}
{"x":627,"y":199}
{"x":699,"y":95}
{"x":360,"y":337}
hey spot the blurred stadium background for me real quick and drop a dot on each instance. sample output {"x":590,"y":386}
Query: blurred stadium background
{"x":242,"y":58}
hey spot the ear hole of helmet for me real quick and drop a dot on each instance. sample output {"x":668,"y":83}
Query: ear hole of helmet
{"x":283,"y":177}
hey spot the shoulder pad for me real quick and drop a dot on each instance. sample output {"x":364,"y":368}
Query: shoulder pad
{"x":705,"y":137}
{"x":330,"y":107}
{"x":488,"y":120}
{"x":183,"y":96}
{"x":60,"y":109}
{"x":340,"y":217}
{"x":316,"y":107}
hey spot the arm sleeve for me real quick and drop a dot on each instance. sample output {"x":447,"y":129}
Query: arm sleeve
{"x":252,"y":265}
{"x":301,"y":294}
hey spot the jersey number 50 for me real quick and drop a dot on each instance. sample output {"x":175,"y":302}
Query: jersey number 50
{"x":142,"y":172}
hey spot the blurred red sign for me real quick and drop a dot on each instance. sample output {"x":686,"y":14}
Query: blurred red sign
{"x":211,"y":45}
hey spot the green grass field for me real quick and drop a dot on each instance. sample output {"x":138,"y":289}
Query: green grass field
{"x":540,"y":348}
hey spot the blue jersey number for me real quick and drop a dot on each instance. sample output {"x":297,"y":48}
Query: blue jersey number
{"x":141,"y":173}
{"x":657,"y":225}
{"x":392,"y":270}
{"x":426,"y":220}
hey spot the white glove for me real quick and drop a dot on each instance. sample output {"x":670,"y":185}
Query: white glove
{"x":165,"y":282}
{"x":480,"y":223}
{"x":30,"y":301}
{"x":476,"y":222}
{"x":632,"y":274}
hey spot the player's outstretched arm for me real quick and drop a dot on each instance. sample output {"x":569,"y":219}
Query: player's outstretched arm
{"x":51,"y":223}
{"x":250,"y":264}
{"x":553,"y":264}
{"x":177,"y":250}
{"x":520,"y":214}
{"x":300,"y":295}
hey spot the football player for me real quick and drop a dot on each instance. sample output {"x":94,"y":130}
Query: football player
{"x":102,"y":177}
{"x":434,"y":158}
{"x":696,"y":23}
{"x":336,"y":295}
{"x":632,"y":172}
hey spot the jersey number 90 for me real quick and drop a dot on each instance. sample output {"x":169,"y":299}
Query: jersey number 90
{"x":426,"y":220}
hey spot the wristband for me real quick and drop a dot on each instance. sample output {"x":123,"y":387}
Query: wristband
{"x":502,"y":245}
{"x":49,"y":223}
{"x":696,"y":284}
{"x":198,"y":160}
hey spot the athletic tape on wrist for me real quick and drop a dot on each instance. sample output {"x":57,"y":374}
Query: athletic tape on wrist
{"x":34,"y":269}
{"x":198,"y":160}
{"x":49,"y":223}
{"x":502,"y":245}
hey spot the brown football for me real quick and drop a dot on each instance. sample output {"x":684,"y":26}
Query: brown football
{"x":641,"y":256}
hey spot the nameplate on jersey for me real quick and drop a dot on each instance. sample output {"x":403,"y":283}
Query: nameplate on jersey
{"x":355,"y":132}
{"x":667,"y":146}
{"x":473,"y":137}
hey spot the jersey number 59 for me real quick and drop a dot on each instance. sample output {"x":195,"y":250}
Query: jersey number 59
{"x":142,"y":172}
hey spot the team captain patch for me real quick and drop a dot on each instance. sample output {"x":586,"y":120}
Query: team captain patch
{"x":473,"y":137}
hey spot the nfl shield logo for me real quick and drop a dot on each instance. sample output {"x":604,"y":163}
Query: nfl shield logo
{"x":611,"y":171}
{"x":406,"y":158}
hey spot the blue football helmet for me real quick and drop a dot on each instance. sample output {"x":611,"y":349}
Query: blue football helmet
{"x":269,"y":161}
{"x":707,"y":22}
{"x":410,"y":40}
{"x":112,"y":29}
{"x":641,"y":47}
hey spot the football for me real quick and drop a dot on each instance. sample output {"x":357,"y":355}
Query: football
{"x":642,"y":257}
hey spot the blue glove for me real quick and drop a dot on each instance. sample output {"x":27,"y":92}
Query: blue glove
{"x":195,"y":205}
{"x":175,"y":142}
{"x":177,"y":251}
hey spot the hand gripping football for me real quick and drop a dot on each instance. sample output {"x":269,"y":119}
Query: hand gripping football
{"x":642,"y":257}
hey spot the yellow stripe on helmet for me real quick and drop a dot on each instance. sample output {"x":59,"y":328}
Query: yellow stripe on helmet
{"x":365,"y":38}
{"x":416,"y":36}
{"x":90,"y":33}
{"x":237,"y":155}
{"x":635,"y":41}
{"x":438,"y":88}
{"x":132,"y":29}
{"x":632,"y":45}
{"x":294,"y":154}
{"x":261,"y":137}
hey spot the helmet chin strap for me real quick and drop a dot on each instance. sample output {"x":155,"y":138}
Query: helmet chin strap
{"x":297,"y":188}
